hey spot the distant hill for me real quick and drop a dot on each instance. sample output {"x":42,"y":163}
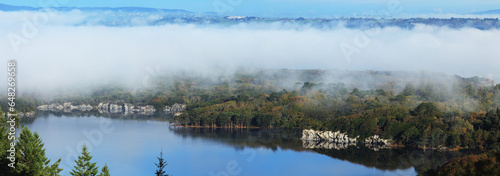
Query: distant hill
{"x":128,"y":9}
{"x":496,"y":11}
{"x":5,"y":7}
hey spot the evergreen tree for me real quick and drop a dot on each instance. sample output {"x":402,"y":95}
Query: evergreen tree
{"x":31,"y":159}
{"x":161,"y":165}
{"x":105,"y":171}
{"x":53,"y":169}
{"x":4,"y":146}
{"x":83,"y":165}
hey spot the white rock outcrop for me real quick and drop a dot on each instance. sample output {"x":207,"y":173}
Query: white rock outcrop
{"x":103,"y":107}
{"x":325,"y":145}
{"x":27,"y":114}
{"x":65,"y":107}
{"x":126,"y":108}
{"x":337,"y":137}
{"x":375,"y":139}
{"x":337,"y":140}
{"x":174,"y":109}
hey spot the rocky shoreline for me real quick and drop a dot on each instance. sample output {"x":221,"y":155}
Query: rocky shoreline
{"x":26,"y":114}
{"x":337,"y":137}
{"x":126,"y":108}
{"x":65,"y":107}
{"x":336,"y":140}
{"x":176,"y":109}
{"x":112,"y":108}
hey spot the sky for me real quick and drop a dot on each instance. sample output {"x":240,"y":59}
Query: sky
{"x":306,"y":8}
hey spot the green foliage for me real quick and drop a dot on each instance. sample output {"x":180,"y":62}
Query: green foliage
{"x":162,"y":163}
{"x":409,"y":90}
{"x":84,"y":167}
{"x":356,"y":92}
{"x":482,"y":164}
{"x":4,"y":146}
{"x":30,"y":154}
{"x":104,"y":171}
{"x":410,"y":135}
{"x":427,"y":110}
{"x":31,"y":159}
{"x":400,"y":98}
{"x":429,"y":115}
{"x":224,"y":119}
{"x":263,"y":120}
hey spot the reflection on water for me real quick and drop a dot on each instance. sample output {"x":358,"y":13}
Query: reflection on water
{"x":159,"y":116}
{"x":383,"y":159}
{"x":326,"y":145}
{"x":130,"y":147}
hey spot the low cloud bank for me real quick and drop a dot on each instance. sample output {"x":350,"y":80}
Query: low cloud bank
{"x":63,"y":55}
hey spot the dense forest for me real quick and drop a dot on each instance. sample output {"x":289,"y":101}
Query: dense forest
{"x":483,"y":164}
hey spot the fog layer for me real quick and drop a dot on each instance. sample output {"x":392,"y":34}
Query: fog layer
{"x":61,"y":55}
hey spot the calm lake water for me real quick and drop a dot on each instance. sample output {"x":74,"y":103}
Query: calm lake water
{"x":130,"y":147}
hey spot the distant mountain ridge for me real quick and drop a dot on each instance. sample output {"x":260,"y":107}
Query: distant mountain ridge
{"x":495,"y":11}
{"x":5,"y":7}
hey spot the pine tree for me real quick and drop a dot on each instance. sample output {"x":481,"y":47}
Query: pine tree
{"x":53,"y":169}
{"x":105,"y":171}
{"x":83,"y":165}
{"x":31,"y":159}
{"x":4,"y":146}
{"x":161,"y":165}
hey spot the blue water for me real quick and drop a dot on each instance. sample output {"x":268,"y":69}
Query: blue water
{"x":130,"y":147}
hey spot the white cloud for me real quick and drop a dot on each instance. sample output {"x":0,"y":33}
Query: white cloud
{"x":65,"y":55}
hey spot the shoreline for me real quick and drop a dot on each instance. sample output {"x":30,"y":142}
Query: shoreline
{"x":194,"y":126}
{"x":391,"y":146}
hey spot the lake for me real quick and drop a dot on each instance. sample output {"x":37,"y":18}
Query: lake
{"x":130,"y":147}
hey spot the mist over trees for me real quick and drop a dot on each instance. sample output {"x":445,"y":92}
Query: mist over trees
{"x":420,"y":109}
{"x":425,"y":110}
{"x":424,"y":113}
